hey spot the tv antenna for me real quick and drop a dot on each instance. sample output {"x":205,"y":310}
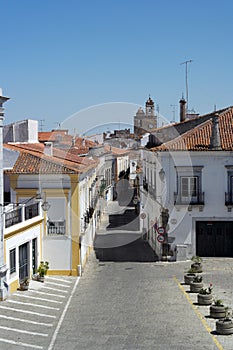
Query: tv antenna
{"x":186,"y":80}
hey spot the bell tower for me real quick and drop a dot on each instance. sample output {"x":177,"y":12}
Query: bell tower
{"x":150,"y":107}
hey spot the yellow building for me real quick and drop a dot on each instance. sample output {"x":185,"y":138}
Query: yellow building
{"x":55,"y":235}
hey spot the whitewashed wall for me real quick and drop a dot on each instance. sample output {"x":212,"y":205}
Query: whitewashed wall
{"x":16,"y":241}
{"x":214,"y":185}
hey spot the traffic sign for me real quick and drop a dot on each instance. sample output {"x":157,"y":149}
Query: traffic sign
{"x":160,"y":238}
{"x":143,"y":216}
{"x":161,"y":230}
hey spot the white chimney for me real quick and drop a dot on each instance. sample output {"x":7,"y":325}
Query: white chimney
{"x":48,"y":149}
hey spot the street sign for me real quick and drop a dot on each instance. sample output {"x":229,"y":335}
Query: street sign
{"x":161,"y":230}
{"x":143,"y":216}
{"x":160,"y":238}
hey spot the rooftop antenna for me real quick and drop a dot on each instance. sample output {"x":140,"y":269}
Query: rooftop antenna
{"x":186,"y":81}
{"x":41,"y":124}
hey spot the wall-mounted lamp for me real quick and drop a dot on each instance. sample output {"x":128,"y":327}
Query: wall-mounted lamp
{"x":162,"y":174}
{"x":45,"y":206}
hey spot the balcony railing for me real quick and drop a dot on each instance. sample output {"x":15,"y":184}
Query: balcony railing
{"x":20,"y":214}
{"x":13,"y":217}
{"x":191,"y":200}
{"x":31,"y":211}
{"x":56,"y":227}
{"x":228,"y":198}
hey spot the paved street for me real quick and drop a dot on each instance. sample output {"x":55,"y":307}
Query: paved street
{"x":135,"y":305}
{"x":126,"y":299}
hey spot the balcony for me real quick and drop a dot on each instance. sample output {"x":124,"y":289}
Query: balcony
{"x":20,"y":214}
{"x":191,"y":200}
{"x":56,"y":227}
{"x":228,"y":198}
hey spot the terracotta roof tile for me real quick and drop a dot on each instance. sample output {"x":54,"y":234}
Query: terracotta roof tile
{"x":33,"y":160}
{"x":198,"y":139}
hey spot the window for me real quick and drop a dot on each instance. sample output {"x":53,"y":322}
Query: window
{"x":12,"y":261}
{"x":189,"y":186}
{"x":229,"y":193}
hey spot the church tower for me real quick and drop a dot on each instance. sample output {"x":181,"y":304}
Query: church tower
{"x":144,"y":122}
{"x":150,"y":108}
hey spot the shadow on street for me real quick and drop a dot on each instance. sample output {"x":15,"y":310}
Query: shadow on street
{"x":128,"y":221}
{"x":136,"y":251}
{"x":120,"y":242}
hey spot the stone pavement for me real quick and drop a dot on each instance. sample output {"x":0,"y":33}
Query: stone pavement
{"x":141,"y":306}
{"x":127,"y":300}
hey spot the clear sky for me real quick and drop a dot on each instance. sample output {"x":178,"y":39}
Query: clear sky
{"x":61,"y":56}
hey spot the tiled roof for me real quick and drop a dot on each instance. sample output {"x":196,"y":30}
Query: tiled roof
{"x":31,"y":164}
{"x":116,"y":151}
{"x":198,"y":139}
{"x":62,"y":136}
{"x":33,"y":160}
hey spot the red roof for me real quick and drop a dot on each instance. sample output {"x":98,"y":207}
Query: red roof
{"x":198,"y":139}
{"x":33,"y":160}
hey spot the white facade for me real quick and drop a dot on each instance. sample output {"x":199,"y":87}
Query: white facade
{"x":168,"y":176}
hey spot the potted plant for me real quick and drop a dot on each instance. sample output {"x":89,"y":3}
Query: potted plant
{"x":189,"y":276}
{"x":196,"y":263}
{"x":42,"y":270}
{"x":24,"y":284}
{"x":225,"y":325}
{"x":218,"y":310}
{"x":204,"y":297}
{"x":196,"y":285}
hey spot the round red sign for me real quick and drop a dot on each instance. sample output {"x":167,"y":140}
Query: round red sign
{"x":161,"y":230}
{"x":160,"y":238}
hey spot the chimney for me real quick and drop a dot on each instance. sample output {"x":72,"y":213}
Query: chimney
{"x":182,"y":109}
{"x":215,"y":141}
{"x":48,"y":149}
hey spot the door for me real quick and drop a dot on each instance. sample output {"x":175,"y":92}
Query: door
{"x":34,"y":255}
{"x":24,"y":261}
{"x":214,"y":238}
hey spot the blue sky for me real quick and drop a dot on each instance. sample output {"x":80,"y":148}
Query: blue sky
{"x":60,"y":57}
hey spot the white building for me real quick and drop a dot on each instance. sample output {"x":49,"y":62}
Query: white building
{"x":191,"y":176}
